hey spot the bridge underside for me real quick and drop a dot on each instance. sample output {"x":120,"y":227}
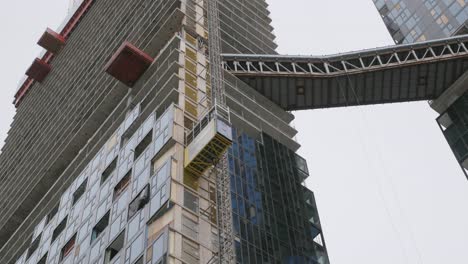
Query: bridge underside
{"x":414,"y":83}
{"x":387,"y":75}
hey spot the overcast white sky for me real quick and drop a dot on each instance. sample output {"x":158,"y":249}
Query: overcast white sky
{"x":388,"y":187}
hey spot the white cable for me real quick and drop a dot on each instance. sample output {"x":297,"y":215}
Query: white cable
{"x":386,"y":174}
{"x":377,"y":182}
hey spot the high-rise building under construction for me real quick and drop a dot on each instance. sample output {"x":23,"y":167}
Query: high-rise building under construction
{"x":159,"y":132}
{"x":116,"y":152}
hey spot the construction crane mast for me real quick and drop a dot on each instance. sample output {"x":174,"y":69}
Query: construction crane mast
{"x":226,"y":235}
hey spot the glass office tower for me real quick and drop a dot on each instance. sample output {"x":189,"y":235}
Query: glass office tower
{"x":413,"y":21}
{"x":275,"y":217}
{"x":98,"y":167}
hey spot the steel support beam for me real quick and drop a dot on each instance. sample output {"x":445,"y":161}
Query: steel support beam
{"x":402,"y":73}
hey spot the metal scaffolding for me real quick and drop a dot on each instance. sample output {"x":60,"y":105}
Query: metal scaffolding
{"x":223,"y":189}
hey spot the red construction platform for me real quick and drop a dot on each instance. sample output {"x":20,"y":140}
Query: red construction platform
{"x":38,"y":70}
{"x":128,"y":64}
{"x":51,"y":41}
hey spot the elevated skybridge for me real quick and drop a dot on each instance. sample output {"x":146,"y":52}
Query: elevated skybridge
{"x":421,"y":71}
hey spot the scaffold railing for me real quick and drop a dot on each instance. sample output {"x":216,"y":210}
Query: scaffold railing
{"x":216,"y":112}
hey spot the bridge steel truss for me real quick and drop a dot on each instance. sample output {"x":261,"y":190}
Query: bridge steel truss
{"x":401,"y":73}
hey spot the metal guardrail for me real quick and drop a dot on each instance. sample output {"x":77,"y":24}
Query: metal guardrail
{"x":347,"y":63}
{"x":216,"y":112}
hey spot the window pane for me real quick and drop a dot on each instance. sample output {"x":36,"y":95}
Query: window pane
{"x":79,"y":192}
{"x":158,"y":249}
{"x":68,"y":248}
{"x":190,"y":201}
{"x":122,"y":185}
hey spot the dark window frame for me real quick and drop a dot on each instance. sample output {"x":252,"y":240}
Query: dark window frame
{"x":79,"y":191}
{"x":33,"y":246}
{"x":43,"y":260}
{"x":140,"y":201}
{"x":144,"y":144}
{"x":52,"y":214}
{"x":111,"y":252}
{"x":100,"y":227}
{"x":68,"y":248}
{"x":105,"y":175}
{"x":59,"y":229}
{"x":121,"y":186}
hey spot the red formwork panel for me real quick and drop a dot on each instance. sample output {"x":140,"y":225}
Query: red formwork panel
{"x":38,"y":70}
{"x":128,"y":64}
{"x":51,"y":41}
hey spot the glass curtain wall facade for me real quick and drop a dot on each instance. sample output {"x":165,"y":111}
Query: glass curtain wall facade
{"x":412,"y":21}
{"x":275,"y":217}
{"x":454,"y":125}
